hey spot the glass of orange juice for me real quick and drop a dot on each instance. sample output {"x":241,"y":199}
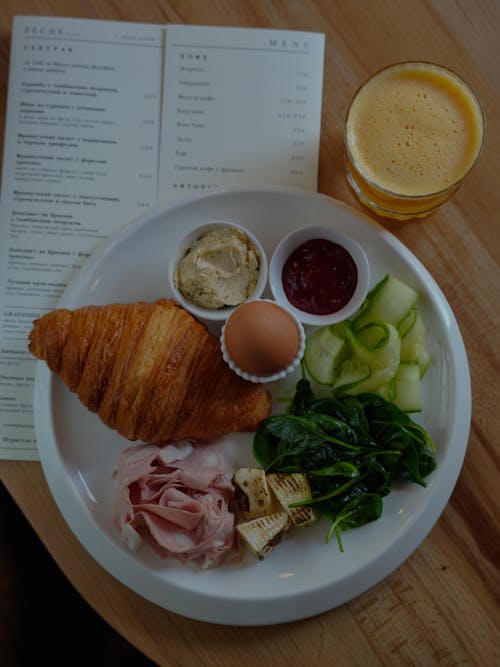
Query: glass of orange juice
{"x":413,"y":131}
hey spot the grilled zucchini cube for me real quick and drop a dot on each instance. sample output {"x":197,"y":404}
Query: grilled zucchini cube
{"x":293,"y":488}
{"x":253,"y":497}
{"x":262,"y":534}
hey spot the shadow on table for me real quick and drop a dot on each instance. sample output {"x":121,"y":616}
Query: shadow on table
{"x":42,"y":617}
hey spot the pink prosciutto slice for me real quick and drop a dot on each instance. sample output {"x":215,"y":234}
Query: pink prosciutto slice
{"x":179,"y":498}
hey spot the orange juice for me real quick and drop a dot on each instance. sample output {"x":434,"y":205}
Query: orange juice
{"x":413,"y":131}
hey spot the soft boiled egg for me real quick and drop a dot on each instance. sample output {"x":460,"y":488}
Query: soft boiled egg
{"x":262,"y":339}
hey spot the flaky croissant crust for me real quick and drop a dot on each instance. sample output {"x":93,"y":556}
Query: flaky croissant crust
{"x":149,"y":370}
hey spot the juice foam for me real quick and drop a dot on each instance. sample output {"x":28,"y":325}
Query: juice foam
{"x":414,"y":129}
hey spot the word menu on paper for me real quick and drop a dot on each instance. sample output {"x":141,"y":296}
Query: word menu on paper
{"x":106,"y":119}
{"x":240,"y":106}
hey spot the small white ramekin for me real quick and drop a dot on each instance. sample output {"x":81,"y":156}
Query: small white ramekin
{"x":219,"y":314}
{"x":275,"y":376}
{"x":296,"y":238}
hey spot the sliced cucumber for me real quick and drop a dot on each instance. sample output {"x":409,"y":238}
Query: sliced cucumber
{"x":324,"y":352}
{"x":388,"y":390}
{"x":374,"y":359}
{"x":356,"y":377}
{"x":373,"y":336}
{"x":389,"y":301}
{"x":407,"y":323}
{"x":408,"y":387}
{"x":414,"y":342}
{"x":379,"y":346}
{"x":353,"y":373}
{"x":383,"y":350}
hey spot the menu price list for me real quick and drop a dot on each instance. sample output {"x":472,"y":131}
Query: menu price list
{"x":240,"y":106}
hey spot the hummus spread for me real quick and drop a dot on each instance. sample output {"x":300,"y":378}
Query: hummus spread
{"x":221,"y":268}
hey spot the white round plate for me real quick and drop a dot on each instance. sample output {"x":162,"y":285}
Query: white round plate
{"x":303,"y":576}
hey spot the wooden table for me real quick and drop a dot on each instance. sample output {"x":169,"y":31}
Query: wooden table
{"x":441,"y":606}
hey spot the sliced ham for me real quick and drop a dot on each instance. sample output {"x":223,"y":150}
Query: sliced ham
{"x":179,"y":498}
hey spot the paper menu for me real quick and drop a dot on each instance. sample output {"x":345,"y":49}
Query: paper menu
{"x":80,"y":159}
{"x":105,"y":119}
{"x":240,"y":106}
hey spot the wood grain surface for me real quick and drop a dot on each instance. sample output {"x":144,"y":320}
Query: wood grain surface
{"x":441,"y":607}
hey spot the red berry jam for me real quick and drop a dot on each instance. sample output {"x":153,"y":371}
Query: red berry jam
{"x":319,"y":277}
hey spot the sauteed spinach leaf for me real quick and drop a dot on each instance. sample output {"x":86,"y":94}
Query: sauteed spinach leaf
{"x":353,"y":449}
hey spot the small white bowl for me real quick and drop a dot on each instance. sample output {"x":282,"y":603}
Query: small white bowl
{"x":296,"y":238}
{"x":219,"y":314}
{"x":275,"y":376}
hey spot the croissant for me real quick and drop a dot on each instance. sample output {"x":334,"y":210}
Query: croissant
{"x":151,"y":371}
